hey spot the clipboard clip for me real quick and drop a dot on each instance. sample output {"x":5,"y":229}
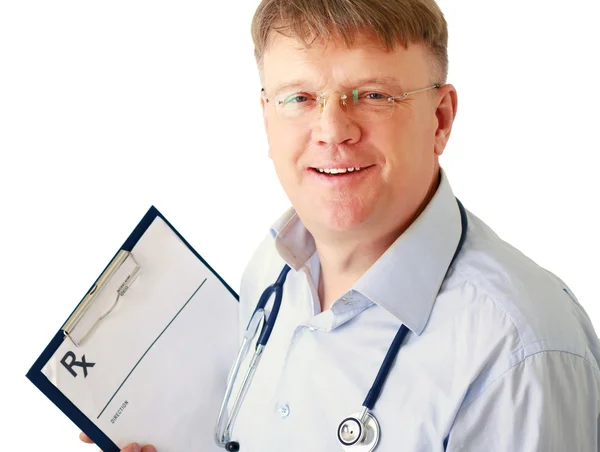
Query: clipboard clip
{"x":121,"y":257}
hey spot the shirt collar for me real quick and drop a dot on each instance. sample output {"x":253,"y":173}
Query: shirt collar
{"x":406,"y":279}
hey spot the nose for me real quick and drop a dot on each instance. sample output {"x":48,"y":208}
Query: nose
{"x":334,"y":126}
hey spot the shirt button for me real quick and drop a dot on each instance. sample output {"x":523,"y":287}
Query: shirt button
{"x":311,"y":328}
{"x":284,"y":411}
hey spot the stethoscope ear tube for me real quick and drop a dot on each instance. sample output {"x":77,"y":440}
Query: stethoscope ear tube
{"x":225,"y":437}
{"x":222,"y":437}
{"x":255,"y":325}
{"x":258,"y":324}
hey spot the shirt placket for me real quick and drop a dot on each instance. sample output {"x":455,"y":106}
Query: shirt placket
{"x":304,"y":343}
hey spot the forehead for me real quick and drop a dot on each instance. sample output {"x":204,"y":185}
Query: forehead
{"x":332,"y":63}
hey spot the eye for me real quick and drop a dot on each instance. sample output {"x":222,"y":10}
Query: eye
{"x":294,"y":98}
{"x":297,"y":99}
{"x":376,"y":96}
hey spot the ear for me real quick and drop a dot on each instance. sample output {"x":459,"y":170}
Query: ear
{"x":447,"y":103}
{"x":263,"y":105}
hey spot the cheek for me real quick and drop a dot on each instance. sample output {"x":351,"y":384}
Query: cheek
{"x":408,"y":153}
{"x":286,"y":147}
{"x":410,"y":139}
{"x":288,"y":138}
{"x":395,"y":144}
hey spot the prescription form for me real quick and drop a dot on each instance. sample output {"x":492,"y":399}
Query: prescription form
{"x":154,"y":370}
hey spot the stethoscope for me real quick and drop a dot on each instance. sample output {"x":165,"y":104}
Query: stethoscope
{"x":359,"y":432}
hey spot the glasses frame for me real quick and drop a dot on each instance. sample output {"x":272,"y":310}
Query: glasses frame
{"x":322,"y":98}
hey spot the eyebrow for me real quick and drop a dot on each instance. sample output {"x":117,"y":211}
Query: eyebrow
{"x":293,"y":84}
{"x":382,"y":80}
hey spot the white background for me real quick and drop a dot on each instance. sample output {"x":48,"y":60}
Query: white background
{"x":109,"y":107}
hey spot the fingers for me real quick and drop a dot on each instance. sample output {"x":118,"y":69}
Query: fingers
{"x":135,"y":447}
{"x":86,"y":439}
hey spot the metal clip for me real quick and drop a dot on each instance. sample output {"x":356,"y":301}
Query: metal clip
{"x":79,"y":313}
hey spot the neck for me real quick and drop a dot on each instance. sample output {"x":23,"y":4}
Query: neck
{"x":343,"y":262}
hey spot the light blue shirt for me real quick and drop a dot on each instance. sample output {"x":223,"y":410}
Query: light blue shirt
{"x":500,"y":355}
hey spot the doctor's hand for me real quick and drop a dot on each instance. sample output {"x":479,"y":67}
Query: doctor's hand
{"x":133,"y":447}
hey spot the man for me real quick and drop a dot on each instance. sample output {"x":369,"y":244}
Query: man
{"x":499,"y":355}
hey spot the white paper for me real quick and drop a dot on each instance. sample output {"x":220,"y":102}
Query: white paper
{"x":161,"y":357}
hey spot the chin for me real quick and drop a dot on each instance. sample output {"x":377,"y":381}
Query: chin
{"x":338,"y":218}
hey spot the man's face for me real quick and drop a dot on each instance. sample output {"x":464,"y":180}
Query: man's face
{"x":398,"y":156}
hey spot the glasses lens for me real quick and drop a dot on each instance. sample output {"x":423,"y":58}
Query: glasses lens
{"x":296,"y":106}
{"x":370,"y":107}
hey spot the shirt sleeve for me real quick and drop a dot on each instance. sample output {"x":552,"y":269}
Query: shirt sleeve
{"x":548,"y":402}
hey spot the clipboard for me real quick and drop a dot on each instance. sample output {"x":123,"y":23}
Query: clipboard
{"x":145,"y":354}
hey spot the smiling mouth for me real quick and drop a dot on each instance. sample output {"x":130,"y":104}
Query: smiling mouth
{"x":338,"y":171}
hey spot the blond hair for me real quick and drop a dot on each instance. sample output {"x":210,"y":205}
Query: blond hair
{"x":391,"y":21}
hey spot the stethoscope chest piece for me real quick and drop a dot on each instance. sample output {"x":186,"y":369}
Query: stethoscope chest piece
{"x":357,"y":436}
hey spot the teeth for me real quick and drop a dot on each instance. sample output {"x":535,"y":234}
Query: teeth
{"x":337,"y":170}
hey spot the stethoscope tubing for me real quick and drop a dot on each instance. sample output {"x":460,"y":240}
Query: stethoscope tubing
{"x":388,"y":361}
{"x":385,"y":368}
{"x":277,"y":289}
{"x":259,"y":322}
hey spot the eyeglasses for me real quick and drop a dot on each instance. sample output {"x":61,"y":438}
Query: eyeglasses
{"x":361,"y":105}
